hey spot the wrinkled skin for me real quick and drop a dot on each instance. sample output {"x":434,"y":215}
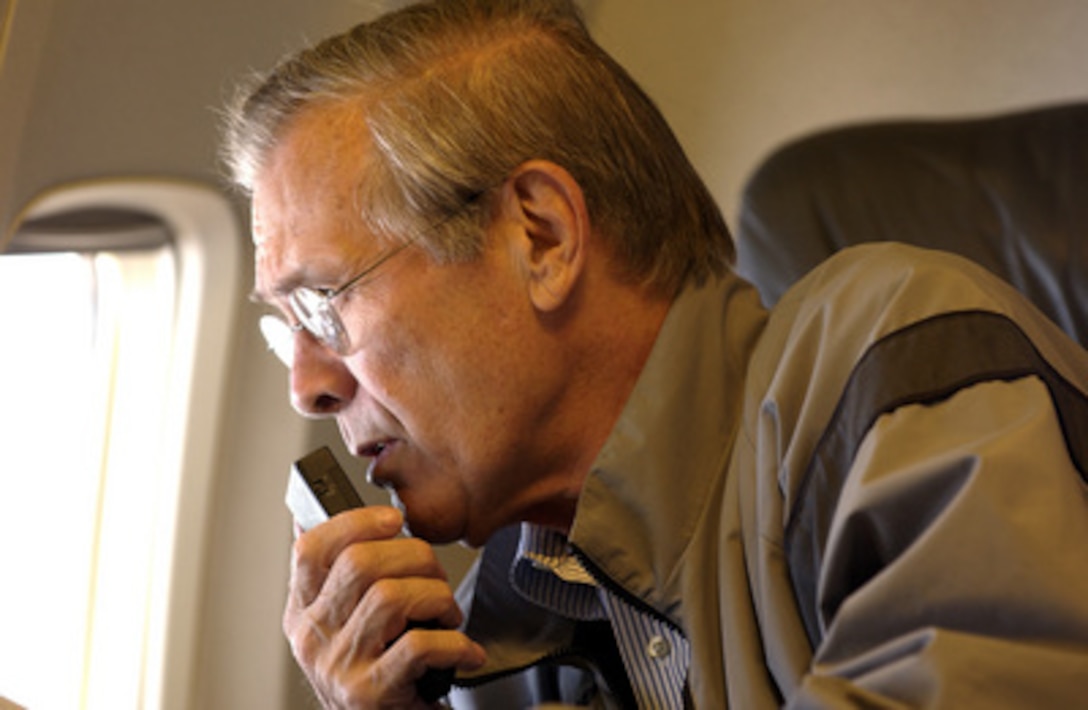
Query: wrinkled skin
{"x":354,"y":587}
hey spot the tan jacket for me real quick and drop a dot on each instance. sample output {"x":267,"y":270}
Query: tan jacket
{"x":875,"y":497}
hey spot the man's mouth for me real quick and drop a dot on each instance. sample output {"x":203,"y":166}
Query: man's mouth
{"x":376,"y":448}
{"x":376,"y":452}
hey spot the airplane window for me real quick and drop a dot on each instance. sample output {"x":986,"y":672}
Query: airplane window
{"x":83,"y":374}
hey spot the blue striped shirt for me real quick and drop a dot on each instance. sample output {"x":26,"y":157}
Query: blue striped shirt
{"x":655,"y":654}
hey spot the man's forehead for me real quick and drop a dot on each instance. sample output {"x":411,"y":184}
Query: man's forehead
{"x":304,"y":203}
{"x":257,"y":225}
{"x":324,"y":150}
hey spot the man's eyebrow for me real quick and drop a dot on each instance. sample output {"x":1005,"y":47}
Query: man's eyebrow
{"x":269,"y":298}
{"x":284,"y":286}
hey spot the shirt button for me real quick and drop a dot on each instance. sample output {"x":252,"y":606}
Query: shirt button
{"x":658,"y":647}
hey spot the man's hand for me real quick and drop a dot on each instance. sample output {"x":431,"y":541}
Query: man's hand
{"x":355,"y":587}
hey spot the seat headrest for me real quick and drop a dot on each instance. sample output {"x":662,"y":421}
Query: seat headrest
{"x":1010,"y":192}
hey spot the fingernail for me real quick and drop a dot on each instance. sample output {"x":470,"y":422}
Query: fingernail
{"x":389,"y":518}
{"x":480,"y":655}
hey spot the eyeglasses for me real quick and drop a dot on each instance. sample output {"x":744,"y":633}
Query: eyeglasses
{"x":314,"y":311}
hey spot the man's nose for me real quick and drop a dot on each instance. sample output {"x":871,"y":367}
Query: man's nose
{"x":320,"y":382}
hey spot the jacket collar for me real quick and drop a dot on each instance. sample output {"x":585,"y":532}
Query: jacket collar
{"x":650,"y":484}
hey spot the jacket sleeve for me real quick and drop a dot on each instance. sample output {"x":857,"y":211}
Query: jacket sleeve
{"x":955,"y":572}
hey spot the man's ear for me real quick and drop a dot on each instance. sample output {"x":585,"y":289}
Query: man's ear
{"x":548,"y":209}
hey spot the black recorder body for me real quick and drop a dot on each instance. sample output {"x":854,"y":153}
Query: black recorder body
{"x":317,"y":489}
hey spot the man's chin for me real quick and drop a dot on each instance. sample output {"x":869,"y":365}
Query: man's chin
{"x":425,"y":524}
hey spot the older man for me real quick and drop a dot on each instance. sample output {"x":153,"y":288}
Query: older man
{"x":504,"y":280}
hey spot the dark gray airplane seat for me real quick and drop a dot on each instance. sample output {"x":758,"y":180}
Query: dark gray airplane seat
{"x":1008,"y":191}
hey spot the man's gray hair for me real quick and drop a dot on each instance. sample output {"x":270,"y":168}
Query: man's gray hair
{"x":455,"y":94}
